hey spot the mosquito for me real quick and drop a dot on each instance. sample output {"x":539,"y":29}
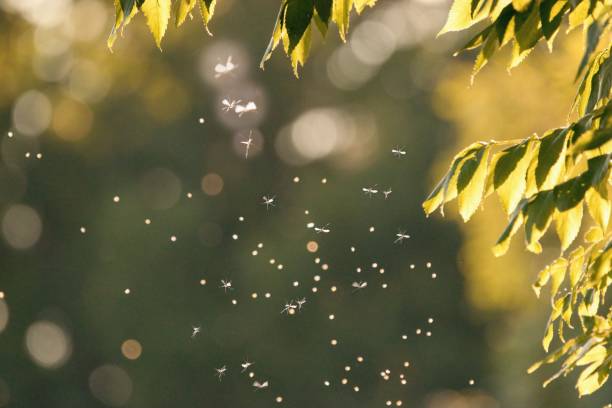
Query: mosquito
{"x":387,"y":193}
{"x":401,"y":236}
{"x":245,"y":365}
{"x":247,"y":144}
{"x":196,"y":331}
{"x":300,"y":302}
{"x":325,"y":229}
{"x":288,"y":306}
{"x":269,"y":202}
{"x":220,"y":372}
{"x":230,"y":105}
{"x":259,"y":385}
{"x":397,"y":152}
{"x":359,"y":285}
{"x":223,"y":69}
{"x":369,"y":191}
{"x":242,"y":109}
{"x":225,"y":285}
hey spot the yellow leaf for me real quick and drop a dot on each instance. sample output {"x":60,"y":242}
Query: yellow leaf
{"x":120,"y":23}
{"x":460,"y":16}
{"x":594,"y":234}
{"x":471,"y":182}
{"x":576,"y":267}
{"x":578,"y":15}
{"x":520,"y":5}
{"x":596,"y":354}
{"x":538,"y":218}
{"x":207,"y":10}
{"x":508,"y":173}
{"x":301,"y":50}
{"x":516,"y":220}
{"x":360,"y":5}
{"x":157,"y":13}
{"x":548,"y":335}
{"x":557,"y":275}
{"x":183,"y":8}
{"x":598,"y":204}
{"x":591,"y":379}
{"x":340,"y":15}
{"x":568,"y":225}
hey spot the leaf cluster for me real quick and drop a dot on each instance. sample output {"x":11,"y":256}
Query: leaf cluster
{"x":293,"y":25}
{"x":550,"y":179}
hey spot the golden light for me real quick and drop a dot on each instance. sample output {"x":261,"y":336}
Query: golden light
{"x":212,"y":184}
{"x":312,"y":246}
{"x":131,"y":349}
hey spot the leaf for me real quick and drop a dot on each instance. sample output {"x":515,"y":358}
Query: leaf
{"x":576,"y":266}
{"x":323,"y":9}
{"x":340,"y":15}
{"x":446,"y":189}
{"x":550,"y":160}
{"x":578,"y":15}
{"x":207,"y":10}
{"x":592,"y":36}
{"x":300,"y":53}
{"x":557,"y":275}
{"x":360,"y":5}
{"x":538,"y":219}
{"x":516,"y":220}
{"x":599,"y":140}
{"x":460,"y":17}
{"x":157,"y":13}
{"x":276,"y":35}
{"x":598,"y":204}
{"x":594,"y":234}
{"x":527,"y":29}
{"x":471,"y":182}
{"x":551,"y":15}
{"x":592,"y":379}
{"x":568,"y":225}
{"x":183,"y":8}
{"x":120,"y":23}
{"x":548,"y":335}
{"x":297,"y":20}
{"x":596,"y":83}
{"x":509,"y":173}
{"x":596,"y":354}
{"x":521,"y":5}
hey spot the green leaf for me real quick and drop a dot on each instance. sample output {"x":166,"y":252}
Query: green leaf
{"x":340,"y":15}
{"x":207,"y":10}
{"x":509,"y":173}
{"x":183,"y":8}
{"x":323,"y":9}
{"x":551,"y":15}
{"x":538,"y":218}
{"x":297,"y":20}
{"x":528,"y":28}
{"x":471,"y":182}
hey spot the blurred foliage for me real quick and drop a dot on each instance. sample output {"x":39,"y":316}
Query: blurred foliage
{"x":552,"y":177}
